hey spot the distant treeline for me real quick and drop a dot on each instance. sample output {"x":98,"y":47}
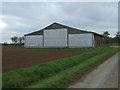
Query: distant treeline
{"x":17,"y":41}
{"x":12,"y":44}
{"x":112,"y":41}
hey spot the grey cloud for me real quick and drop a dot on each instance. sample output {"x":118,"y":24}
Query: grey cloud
{"x":28,"y":16}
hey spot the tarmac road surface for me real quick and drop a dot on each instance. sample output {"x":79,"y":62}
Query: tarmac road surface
{"x":104,"y":76}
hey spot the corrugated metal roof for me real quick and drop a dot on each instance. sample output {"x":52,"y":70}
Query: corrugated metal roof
{"x":61,"y":26}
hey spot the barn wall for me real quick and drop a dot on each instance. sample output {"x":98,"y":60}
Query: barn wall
{"x":98,"y":40}
{"x":81,"y":40}
{"x":55,"y":38}
{"x":93,"y":40}
{"x":34,"y":41}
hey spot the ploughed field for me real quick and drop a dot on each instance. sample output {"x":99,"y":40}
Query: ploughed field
{"x":19,"y":57}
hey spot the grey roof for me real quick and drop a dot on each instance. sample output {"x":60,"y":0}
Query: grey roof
{"x":61,"y":26}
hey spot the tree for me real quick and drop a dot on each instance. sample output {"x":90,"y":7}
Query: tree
{"x":107,"y":39}
{"x":5,"y":43}
{"x":118,"y":38}
{"x":14,"y":39}
{"x":21,"y":40}
{"x":106,"y":34}
{"x":118,"y":35}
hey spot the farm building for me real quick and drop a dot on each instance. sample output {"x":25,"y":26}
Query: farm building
{"x":58,"y":35}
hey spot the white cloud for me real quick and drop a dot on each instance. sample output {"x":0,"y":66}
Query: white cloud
{"x":2,"y":24}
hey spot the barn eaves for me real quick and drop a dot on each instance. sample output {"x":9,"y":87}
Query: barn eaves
{"x":61,"y":26}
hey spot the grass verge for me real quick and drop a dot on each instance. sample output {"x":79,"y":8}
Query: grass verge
{"x":62,"y":79}
{"x":38,"y":73}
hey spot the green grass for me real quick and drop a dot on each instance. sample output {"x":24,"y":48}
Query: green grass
{"x":62,"y":79}
{"x":115,"y":45}
{"x":55,"y":72}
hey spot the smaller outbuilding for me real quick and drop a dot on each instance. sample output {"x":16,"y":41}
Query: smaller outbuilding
{"x":58,"y":35}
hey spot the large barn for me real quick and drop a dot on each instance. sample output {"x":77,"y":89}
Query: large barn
{"x":58,"y":35}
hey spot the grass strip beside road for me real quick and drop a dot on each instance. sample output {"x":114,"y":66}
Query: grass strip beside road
{"x":63,"y":79}
{"x":31,"y":75}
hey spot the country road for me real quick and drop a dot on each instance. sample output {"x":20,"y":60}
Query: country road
{"x":104,"y":76}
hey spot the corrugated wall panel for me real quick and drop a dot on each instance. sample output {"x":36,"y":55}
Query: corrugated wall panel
{"x":55,"y":38}
{"x":93,"y":41}
{"x":34,"y":41}
{"x":81,"y":40}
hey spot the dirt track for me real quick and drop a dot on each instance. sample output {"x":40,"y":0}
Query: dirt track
{"x":18,"y":57}
{"x":104,"y":76}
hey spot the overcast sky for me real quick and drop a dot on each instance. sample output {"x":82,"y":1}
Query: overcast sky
{"x":18,"y":19}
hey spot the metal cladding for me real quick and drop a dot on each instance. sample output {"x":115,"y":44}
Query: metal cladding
{"x":58,"y":35}
{"x":55,"y":38}
{"x":80,"y":40}
{"x":59,"y":38}
{"x":34,"y":40}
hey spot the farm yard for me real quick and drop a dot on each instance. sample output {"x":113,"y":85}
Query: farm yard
{"x":19,"y":57}
{"x":64,"y":65}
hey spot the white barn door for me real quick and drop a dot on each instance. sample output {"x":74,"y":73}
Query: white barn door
{"x":55,"y":38}
{"x":81,"y":40}
{"x":34,"y":41}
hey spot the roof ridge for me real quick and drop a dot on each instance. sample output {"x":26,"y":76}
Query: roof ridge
{"x":66,"y":26}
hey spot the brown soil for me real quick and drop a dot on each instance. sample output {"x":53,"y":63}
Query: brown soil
{"x":18,"y":57}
